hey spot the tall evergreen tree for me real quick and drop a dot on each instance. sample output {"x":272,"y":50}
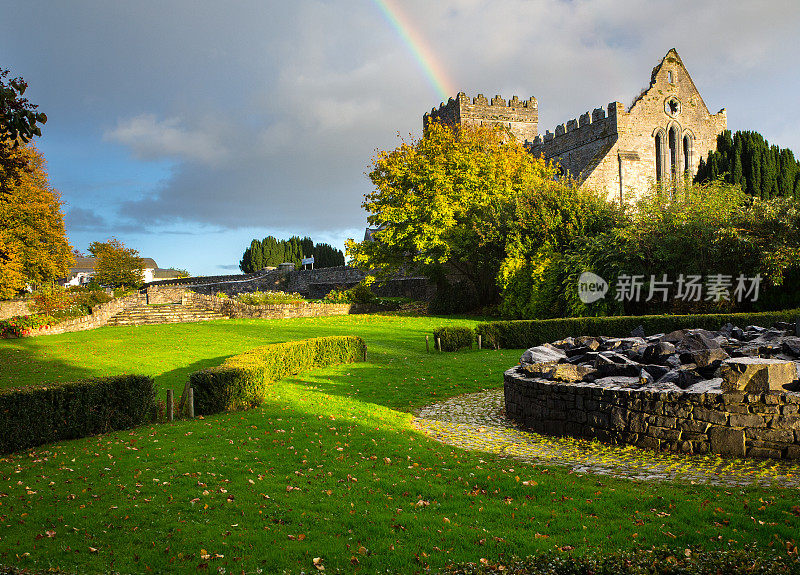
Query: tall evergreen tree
{"x":271,"y":251}
{"x":747,"y":159}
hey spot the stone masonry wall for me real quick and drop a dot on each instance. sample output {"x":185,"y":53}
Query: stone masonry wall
{"x":311,"y":283}
{"x":234,"y":309}
{"x":14,"y":307}
{"x":575,"y":144}
{"x":99,"y":317}
{"x":753,"y":425}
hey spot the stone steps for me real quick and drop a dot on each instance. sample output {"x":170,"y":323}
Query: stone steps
{"x":169,"y":313}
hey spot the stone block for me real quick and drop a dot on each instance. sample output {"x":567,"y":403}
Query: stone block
{"x":727,"y":440}
{"x":647,"y":442}
{"x":710,"y":415}
{"x":638,"y":423}
{"x":746,"y":420}
{"x":571,"y":373}
{"x":756,"y":374}
{"x":664,"y":421}
{"x":793,"y":452}
{"x":542,"y":354}
{"x":694,"y":426}
{"x":681,"y":409}
{"x":618,"y":418}
{"x":785,"y":422}
{"x":764,"y":453}
{"x":664,"y":433}
{"x":772,"y":435}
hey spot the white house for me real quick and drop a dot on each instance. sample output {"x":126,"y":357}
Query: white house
{"x":83,"y":271}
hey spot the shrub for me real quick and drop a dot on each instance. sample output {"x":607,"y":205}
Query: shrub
{"x":269,"y":298}
{"x":454,"y":338}
{"x":241,"y":381}
{"x":51,"y":299}
{"x":359,"y":293}
{"x":40,"y":414}
{"x":527,"y":333}
{"x":86,"y":299}
{"x":23,"y":324}
{"x":337,"y":296}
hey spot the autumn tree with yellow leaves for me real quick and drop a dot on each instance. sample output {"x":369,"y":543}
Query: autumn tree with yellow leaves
{"x":33,"y":243}
{"x":446,"y":204}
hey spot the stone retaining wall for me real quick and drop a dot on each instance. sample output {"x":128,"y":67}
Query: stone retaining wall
{"x":235,"y":309}
{"x":752,"y":425}
{"x":314,"y":283}
{"x":14,"y":307}
{"x":99,"y":317}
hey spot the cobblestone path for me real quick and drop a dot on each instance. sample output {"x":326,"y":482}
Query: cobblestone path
{"x":475,"y":421}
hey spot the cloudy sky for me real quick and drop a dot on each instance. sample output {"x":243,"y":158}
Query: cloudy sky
{"x":187,"y":128}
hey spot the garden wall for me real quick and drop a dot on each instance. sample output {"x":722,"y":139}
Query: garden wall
{"x":235,"y":309}
{"x":99,"y":317}
{"x":753,"y":425}
{"x":14,"y":307}
{"x":311,"y":283}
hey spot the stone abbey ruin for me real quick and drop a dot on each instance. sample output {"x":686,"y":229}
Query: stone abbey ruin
{"x":731,"y":392}
{"x":619,"y":150}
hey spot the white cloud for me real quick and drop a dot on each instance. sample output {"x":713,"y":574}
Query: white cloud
{"x":152,"y":139}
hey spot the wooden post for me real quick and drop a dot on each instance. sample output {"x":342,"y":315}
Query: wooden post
{"x":479,"y":341}
{"x":184,"y":398}
{"x":427,"y":345}
{"x":190,"y":400}
{"x":439,"y":343}
{"x":170,"y":405}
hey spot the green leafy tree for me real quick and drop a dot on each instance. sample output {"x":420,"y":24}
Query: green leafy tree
{"x":555,"y":222}
{"x":446,"y":204}
{"x":19,"y":123}
{"x":116,"y":266}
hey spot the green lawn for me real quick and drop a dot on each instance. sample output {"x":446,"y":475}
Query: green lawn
{"x":328,"y":467}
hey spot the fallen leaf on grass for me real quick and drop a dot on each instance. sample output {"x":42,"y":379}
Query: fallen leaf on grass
{"x":318,"y":563}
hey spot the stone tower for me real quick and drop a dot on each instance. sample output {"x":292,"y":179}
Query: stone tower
{"x":519,"y":116}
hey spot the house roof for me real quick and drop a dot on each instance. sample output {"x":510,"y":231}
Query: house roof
{"x":82,"y":264}
{"x":165,"y":274}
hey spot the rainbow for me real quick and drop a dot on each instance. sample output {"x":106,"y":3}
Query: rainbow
{"x":419,"y":48}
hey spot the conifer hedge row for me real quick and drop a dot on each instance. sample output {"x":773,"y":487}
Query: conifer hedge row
{"x":527,"y":333}
{"x":35,"y":415}
{"x":241,"y":381}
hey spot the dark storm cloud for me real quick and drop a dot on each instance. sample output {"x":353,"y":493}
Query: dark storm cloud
{"x":268,"y":113}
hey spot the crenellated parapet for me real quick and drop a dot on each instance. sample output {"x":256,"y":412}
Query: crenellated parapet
{"x":591,"y":126}
{"x":521,"y":117}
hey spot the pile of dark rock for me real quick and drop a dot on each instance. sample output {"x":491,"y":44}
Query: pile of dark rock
{"x":750,"y":360}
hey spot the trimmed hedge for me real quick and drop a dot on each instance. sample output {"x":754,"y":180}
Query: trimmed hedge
{"x":454,"y":338}
{"x":241,"y":381}
{"x":35,"y":415}
{"x":527,"y":333}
